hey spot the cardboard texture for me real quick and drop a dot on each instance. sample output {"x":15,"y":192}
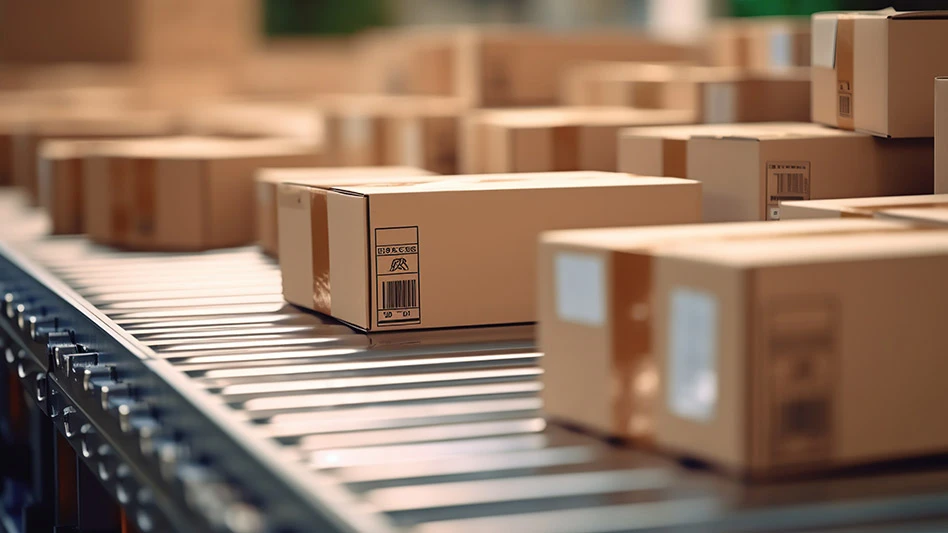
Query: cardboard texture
{"x":60,"y":182}
{"x":747,"y":173}
{"x":873,"y":71}
{"x":941,"y":135}
{"x":406,"y":257}
{"x":78,"y":125}
{"x":180,"y":194}
{"x":266,"y":182}
{"x":595,"y":312}
{"x":856,"y":207}
{"x":760,"y":43}
{"x":776,"y":357}
{"x":716,"y":94}
{"x":553,"y":139}
{"x":115,"y":31}
{"x":662,"y":150}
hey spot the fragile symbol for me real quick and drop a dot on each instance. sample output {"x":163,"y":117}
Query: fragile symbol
{"x":399,"y":263}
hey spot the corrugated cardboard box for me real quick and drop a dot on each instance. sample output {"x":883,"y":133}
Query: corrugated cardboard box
{"x":553,"y":139}
{"x":595,"y":310}
{"x":183,"y":193}
{"x":941,"y":135}
{"x":747,"y":173}
{"x":663,"y":150}
{"x":60,"y":171}
{"x":873,"y":71}
{"x":856,"y":207}
{"x":149,"y":31}
{"x":761,"y":42}
{"x":79,"y":124}
{"x":716,"y":94}
{"x":802,"y":354}
{"x":268,"y":179}
{"x":415,"y":256}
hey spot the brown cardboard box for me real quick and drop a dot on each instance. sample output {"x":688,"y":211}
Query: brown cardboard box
{"x":553,"y":139}
{"x":60,"y":183}
{"x":610,"y":83}
{"x":268,"y":179}
{"x":150,"y":31}
{"x":717,"y":94}
{"x":801,"y":354}
{"x":180,"y":193}
{"x":873,"y":71}
{"x":941,"y":135}
{"x":748,"y":172}
{"x":761,"y":43}
{"x":79,"y":124}
{"x":415,"y":256}
{"x":856,"y":207}
{"x":255,"y":119}
{"x":594,"y":310}
{"x":662,"y":150}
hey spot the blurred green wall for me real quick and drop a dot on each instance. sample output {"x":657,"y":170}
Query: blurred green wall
{"x":326,"y":17}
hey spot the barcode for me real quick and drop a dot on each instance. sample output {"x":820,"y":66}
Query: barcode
{"x":790,"y":183}
{"x":399,"y":294}
{"x":845,"y":101}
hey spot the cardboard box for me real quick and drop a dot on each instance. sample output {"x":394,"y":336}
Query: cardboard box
{"x":663,"y":150}
{"x":790,"y":355}
{"x":268,"y":179}
{"x":873,"y":71}
{"x":856,"y":207}
{"x":553,"y":139}
{"x":60,"y":187}
{"x":941,"y":135}
{"x":112,"y":31}
{"x":79,"y":125}
{"x":608,"y":83}
{"x":747,"y":173}
{"x":926,"y":215}
{"x":406,"y":257}
{"x":254,"y":119}
{"x":595,"y":309}
{"x":716,"y":94}
{"x":761,"y":42}
{"x":181,"y":193}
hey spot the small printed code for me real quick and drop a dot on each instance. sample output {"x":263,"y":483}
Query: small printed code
{"x":790,"y":183}
{"x":845,"y":105}
{"x":400,"y":294}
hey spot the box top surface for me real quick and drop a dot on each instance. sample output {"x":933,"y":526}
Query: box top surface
{"x":686,"y":131}
{"x":522,"y":181}
{"x":72,"y":149}
{"x":388,"y":105}
{"x":870,"y":202}
{"x":100,"y":122}
{"x":775,"y":131}
{"x":627,"y":239}
{"x":203,"y":148}
{"x":303,"y":176}
{"x":937,"y":214}
{"x":542,"y":117}
{"x":814,"y":249}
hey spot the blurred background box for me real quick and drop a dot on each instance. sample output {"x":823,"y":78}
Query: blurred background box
{"x":149,"y":31}
{"x":553,"y":139}
{"x":747,"y":172}
{"x":856,"y":207}
{"x":941,"y":134}
{"x":761,"y":42}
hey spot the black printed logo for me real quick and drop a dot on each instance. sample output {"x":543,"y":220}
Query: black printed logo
{"x":399,"y":263}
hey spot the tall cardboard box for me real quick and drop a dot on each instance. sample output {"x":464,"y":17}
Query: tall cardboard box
{"x":802,"y":354}
{"x":941,"y":135}
{"x":553,"y":139}
{"x":873,"y":71}
{"x":266,"y":182}
{"x":856,"y":207}
{"x":595,"y":309}
{"x":404,"y":257}
{"x":79,"y":124}
{"x":663,"y":150}
{"x":747,"y":173}
{"x":180,"y":193}
{"x":114,"y":31}
{"x":762,"y":42}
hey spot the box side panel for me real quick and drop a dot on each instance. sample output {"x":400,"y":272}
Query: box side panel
{"x":179,"y":218}
{"x":730,"y":176}
{"x":349,"y":267}
{"x":941,"y":135}
{"x":871,"y":65}
{"x":295,"y":240}
{"x":914,"y":60}
{"x":641,"y":155}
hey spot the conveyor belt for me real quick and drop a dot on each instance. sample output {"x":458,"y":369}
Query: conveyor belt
{"x":205,"y":403}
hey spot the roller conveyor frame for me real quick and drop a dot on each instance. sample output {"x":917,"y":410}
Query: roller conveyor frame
{"x":177,"y":449}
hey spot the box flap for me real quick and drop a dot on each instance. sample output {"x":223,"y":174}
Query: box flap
{"x":932,"y":14}
{"x":823,"y":40}
{"x":324,"y":177}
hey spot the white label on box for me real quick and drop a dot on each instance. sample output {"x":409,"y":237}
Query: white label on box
{"x":719,"y":103}
{"x":823,"y":49}
{"x":355,"y":131}
{"x":692,"y":347}
{"x":580,"y":290}
{"x":781,"y":47}
{"x":411,"y":143}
